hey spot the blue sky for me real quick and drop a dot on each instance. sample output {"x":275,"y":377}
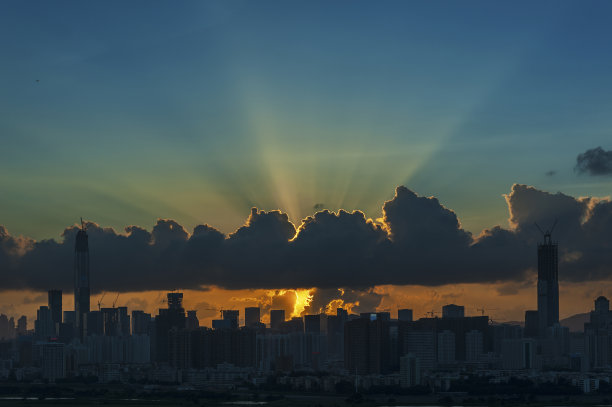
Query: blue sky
{"x":197,"y":111}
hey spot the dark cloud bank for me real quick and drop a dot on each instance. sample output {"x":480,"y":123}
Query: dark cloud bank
{"x":595,"y":161}
{"x":418,"y":242}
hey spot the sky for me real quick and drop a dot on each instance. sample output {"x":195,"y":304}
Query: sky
{"x":125,"y":113}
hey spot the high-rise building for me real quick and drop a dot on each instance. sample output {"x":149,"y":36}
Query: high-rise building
{"x":252,"y":316}
{"x":231,"y":315}
{"x":531,"y":324}
{"x":548,"y":284}
{"x":316,"y":323}
{"x":171,"y":318}
{"x":453,"y":311}
{"x":474,"y":346}
{"x":43,"y":326}
{"x":81,"y":279}
{"x":277,"y":317}
{"x":55,"y":305}
{"x":53,"y":360}
{"x":22,"y":325}
{"x":141,"y":322}
{"x":192,"y":320}
{"x":446,"y":347}
{"x":404,"y":314}
{"x":366,"y":346}
{"x":410,"y":370}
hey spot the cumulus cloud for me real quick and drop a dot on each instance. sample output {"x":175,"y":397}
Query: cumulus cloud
{"x":595,"y":161}
{"x":416,"y":241}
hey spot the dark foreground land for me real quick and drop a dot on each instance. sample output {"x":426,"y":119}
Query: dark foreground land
{"x":126,"y":395}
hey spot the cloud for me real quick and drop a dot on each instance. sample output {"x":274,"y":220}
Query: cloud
{"x":41,"y":298}
{"x":595,"y":161}
{"x":417,"y":241}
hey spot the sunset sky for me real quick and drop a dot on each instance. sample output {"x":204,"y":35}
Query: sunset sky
{"x":129,"y":112}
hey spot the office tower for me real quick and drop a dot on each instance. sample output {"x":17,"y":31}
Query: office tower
{"x":446,"y":347}
{"x":410,"y":371}
{"x":231,"y":315}
{"x":22,"y":325}
{"x":474,"y":346}
{"x":548,"y":285}
{"x":366,"y":346}
{"x":44,"y":327}
{"x":192,"y":320}
{"x":252,"y":316}
{"x":141,"y":322}
{"x":531,"y":324}
{"x":53,"y":360}
{"x":404,"y":314}
{"x":55,"y":305}
{"x":277,"y":317}
{"x":453,"y":311}
{"x":81,"y":279}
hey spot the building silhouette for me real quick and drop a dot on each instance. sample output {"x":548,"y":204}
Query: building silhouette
{"x":453,"y":311}
{"x":55,"y":305}
{"x":277,"y":317}
{"x":252,"y":316}
{"x":81,"y":280}
{"x":548,"y":284}
{"x":232,"y":315}
{"x":404,"y":314}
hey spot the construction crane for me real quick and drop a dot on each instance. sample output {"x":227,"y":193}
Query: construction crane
{"x":483,"y":310}
{"x":431,"y":314}
{"x":100,"y":300}
{"x":115,"y":302}
{"x":216,"y":309}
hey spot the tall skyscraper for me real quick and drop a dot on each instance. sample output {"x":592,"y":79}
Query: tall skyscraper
{"x":55,"y":305}
{"x":81,"y":279}
{"x":548,"y":284}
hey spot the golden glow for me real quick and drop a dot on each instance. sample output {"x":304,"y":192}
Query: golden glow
{"x":302,"y":300}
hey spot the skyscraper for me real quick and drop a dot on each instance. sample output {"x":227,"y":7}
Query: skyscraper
{"x":81,"y":278}
{"x":548,"y":284}
{"x":55,"y":305}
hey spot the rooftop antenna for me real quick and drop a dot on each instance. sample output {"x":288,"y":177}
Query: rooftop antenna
{"x":546,"y":234}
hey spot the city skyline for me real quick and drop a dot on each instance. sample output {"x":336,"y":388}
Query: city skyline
{"x":377,"y":296}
